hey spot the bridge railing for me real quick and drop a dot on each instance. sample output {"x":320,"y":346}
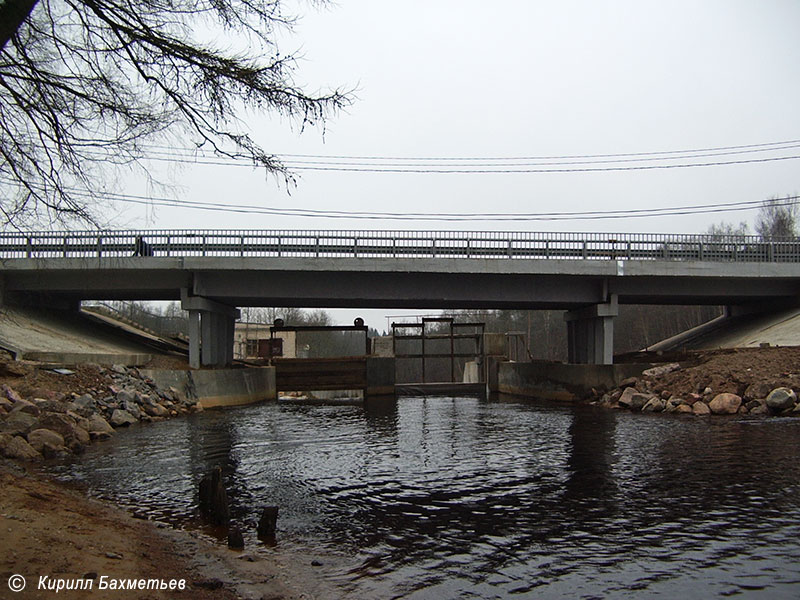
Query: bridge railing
{"x":398,"y":244}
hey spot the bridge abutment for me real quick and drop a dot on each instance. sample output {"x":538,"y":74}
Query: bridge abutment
{"x":211,"y":328}
{"x":590,"y":333}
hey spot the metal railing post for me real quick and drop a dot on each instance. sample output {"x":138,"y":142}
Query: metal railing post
{"x":419,"y":244}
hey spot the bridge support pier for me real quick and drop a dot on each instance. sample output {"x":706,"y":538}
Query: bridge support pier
{"x":590,"y":333}
{"x":211,"y":328}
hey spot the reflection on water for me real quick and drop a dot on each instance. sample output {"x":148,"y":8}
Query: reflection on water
{"x":446,"y":498}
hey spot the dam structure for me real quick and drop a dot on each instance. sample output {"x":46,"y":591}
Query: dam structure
{"x":214,"y":272}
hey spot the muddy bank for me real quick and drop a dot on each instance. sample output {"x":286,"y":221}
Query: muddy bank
{"x":55,"y":532}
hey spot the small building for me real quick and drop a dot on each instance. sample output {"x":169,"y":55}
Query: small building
{"x":254,"y":341}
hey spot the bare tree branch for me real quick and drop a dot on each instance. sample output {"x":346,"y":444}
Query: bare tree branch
{"x":12,"y":14}
{"x":86,"y":85}
{"x":777,"y":218}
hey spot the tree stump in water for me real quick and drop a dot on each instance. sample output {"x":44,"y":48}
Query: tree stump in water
{"x":235,"y":538}
{"x":214,"y":499}
{"x":268,"y":522}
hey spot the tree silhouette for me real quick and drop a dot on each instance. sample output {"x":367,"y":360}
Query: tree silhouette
{"x":90,"y":85}
{"x":777,"y":218}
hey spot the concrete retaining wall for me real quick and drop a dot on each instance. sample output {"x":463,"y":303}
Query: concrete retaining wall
{"x":215,"y":388}
{"x":557,"y":381}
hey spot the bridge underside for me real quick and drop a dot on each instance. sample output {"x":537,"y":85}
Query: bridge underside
{"x":211,"y":288}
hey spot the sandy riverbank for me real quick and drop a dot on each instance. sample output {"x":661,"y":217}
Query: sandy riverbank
{"x":49,"y":530}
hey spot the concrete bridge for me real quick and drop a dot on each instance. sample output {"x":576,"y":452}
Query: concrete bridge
{"x":214,"y":272}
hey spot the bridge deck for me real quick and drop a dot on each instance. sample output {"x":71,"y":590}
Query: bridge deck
{"x":426,"y":270}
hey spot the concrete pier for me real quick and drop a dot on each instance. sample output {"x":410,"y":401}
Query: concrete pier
{"x":590,"y":333}
{"x":211,"y":329}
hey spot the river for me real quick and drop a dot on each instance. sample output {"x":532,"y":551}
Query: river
{"x":468,"y":498}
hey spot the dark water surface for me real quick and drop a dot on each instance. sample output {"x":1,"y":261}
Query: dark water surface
{"x":466,"y":498}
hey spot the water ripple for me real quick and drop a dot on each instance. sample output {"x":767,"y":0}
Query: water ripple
{"x":473,"y":499}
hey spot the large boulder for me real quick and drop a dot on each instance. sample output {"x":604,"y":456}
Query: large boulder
{"x":98,"y":426}
{"x":633,"y":399}
{"x":133,"y":409}
{"x":156,"y":410}
{"x":122,"y":418}
{"x":39,"y":437}
{"x":26,"y":406}
{"x":654,"y":405}
{"x":85,"y":401}
{"x":73,"y":434}
{"x":10,"y":394}
{"x":18,"y":423}
{"x":757,"y":391}
{"x":725,"y":404}
{"x":126,"y":396}
{"x":673,"y":403}
{"x":781,"y":398}
{"x":17,"y":447}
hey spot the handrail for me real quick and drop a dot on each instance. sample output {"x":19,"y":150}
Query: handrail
{"x":397,"y":244}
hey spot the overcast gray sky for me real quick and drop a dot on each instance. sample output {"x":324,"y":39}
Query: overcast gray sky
{"x":509,"y":78}
{"x":524,"y":79}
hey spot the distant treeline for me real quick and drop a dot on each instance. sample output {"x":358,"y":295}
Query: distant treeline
{"x":636,"y":327}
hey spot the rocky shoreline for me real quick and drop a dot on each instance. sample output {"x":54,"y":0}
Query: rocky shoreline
{"x":50,"y":413}
{"x":653,"y":393}
{"x":51,"y":424}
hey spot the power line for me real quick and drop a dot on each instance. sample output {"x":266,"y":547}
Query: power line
{"x":746,"y":148}
{"x":507,"y":167}
{"x":453,"y":217}
{"x":528,"y":170}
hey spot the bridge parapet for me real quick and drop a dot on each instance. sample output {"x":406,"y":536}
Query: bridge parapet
{"x":398,"y":244}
